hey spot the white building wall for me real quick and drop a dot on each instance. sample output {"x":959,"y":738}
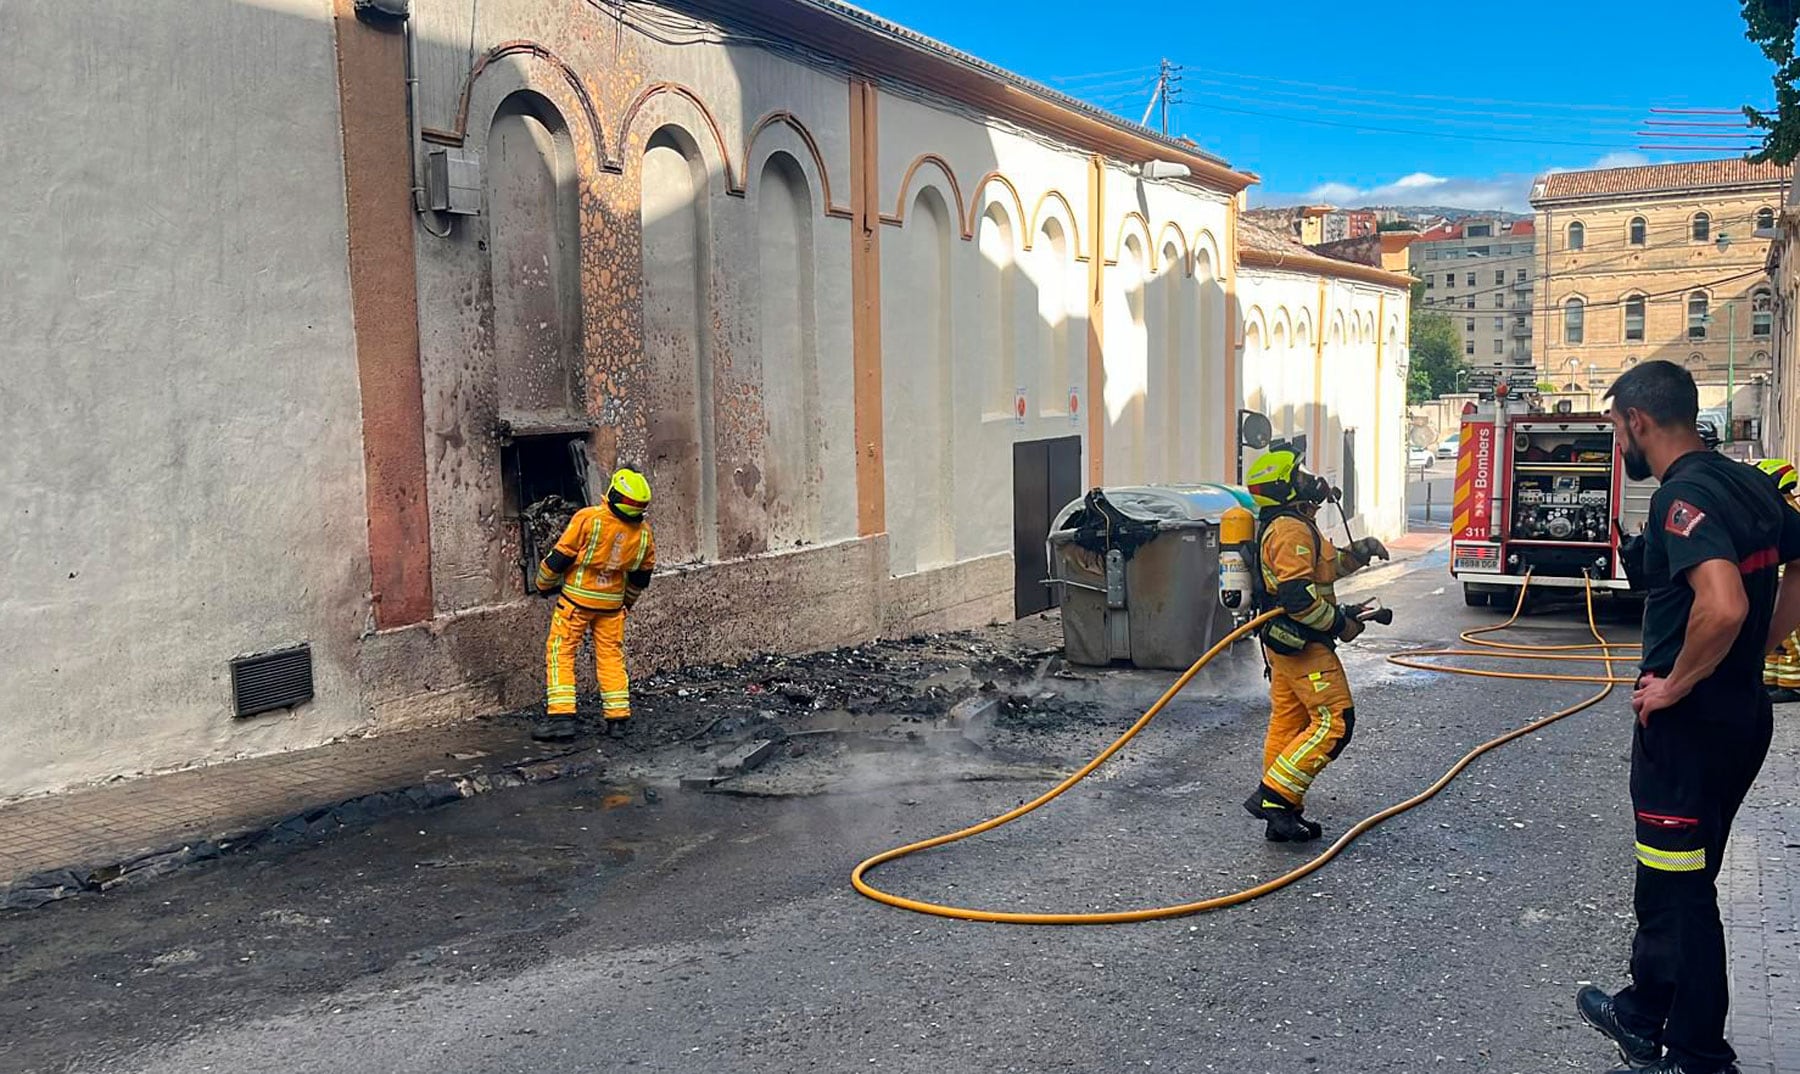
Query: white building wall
{"x":183,"y":480}
{"x":1351,"y":384}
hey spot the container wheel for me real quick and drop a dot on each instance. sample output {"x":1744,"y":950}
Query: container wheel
{"x":1474,"y":598}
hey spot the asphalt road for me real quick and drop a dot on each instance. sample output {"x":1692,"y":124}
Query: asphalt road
{"x":579,"y":928}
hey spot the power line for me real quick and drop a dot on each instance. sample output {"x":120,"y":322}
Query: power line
{"x":1368,"y":128}
{"x":1553,"y":105}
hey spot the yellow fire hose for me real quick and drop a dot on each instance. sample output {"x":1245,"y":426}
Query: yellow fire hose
{"x":1600,"y":650}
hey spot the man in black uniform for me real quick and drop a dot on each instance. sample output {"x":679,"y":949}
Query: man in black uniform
{"x":1716,"y":535}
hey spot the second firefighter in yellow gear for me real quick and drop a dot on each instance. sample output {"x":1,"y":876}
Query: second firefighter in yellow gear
{"x":1781,"y":666}
{"x":600,"y":567}
{"x":1312,"y":714}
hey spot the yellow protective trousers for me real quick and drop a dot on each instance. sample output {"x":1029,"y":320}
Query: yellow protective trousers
{"x":1311,"y":716}
{"x":568,"y":627}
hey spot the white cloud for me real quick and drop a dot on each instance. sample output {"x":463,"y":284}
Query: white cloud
{"x":1508,"y":191}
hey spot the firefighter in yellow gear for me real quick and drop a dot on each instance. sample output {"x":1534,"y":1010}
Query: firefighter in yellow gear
{"x":1781,"y":666}
{"x":1312,"y":714}
{"x":598,"y":570}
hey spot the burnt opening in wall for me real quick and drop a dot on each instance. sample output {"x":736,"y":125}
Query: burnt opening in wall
{"x":546,"y":482}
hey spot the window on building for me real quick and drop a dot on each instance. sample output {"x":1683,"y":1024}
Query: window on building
{"x":1500,"y":324}
{"x":1449,"y":279}
{"x":1499,"y":347}
{"x":1639,"y":231}
{"x":1505,"y":249}
{"x":1469,"y":325}
{"x":1702,"y":227}
{"x":1762,"y":315}
{"x":1519,"y":277}
{"x":1478,"y":251}
{"x":1499,"y":277}
{"x":1577,"y":236}
{"x":1470,"y":280}
{"x":1765,"y":218}
{"x":1697,"y":315}
{"x":1479,"y":231}
{"x":1634,"y":317}
{"x":1469,"y":303}
{"x":1431,"y":254}
{"x":1499,"y":301}
{"x":1430,"y":281}
{"x":1469,"y":347}
{"x":1574,"y":316}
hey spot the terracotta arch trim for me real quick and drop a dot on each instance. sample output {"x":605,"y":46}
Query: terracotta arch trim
{"x":1187,"y":252}
{"x":734,"y":184}
{"x":800,"y":130}
{"x":1144,"y":230}
{"x":1068,"y":220}
{"x":898,"y":217}
{"x":977,"y":206}
{"x":531,"y":49}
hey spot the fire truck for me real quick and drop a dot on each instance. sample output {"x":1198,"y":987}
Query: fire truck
{"x":1539,"y":493}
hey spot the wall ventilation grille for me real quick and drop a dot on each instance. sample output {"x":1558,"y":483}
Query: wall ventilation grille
{"x":278,"y":680}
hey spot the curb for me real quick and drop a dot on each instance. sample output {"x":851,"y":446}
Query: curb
{"x":51,"y":885}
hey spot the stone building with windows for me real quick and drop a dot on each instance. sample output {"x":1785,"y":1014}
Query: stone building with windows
{"x":1661,"y":261}
{"x":1479,"y":273}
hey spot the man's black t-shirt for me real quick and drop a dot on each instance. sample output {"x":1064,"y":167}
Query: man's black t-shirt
{"x":1710,"y":507}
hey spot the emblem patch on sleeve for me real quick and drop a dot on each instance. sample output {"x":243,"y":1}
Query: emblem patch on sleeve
{"x":1683,"y":518}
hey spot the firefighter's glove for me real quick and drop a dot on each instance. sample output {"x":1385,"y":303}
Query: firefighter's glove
{"x":1368,"y":549}
{"x":1353,"y":627}
{"x":546,"y":593}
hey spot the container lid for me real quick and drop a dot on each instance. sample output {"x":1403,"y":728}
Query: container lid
{"x":1166,"y":503}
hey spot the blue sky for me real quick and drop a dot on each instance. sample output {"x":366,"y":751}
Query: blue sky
{"x":1476,"y":98}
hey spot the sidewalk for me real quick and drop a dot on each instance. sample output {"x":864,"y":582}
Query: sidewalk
{"x":1759,"y":896}
{"x":94,"y":838}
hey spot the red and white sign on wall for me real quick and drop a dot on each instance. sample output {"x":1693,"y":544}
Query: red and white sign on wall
{"x":1021,"y":406}
{"x":1473,"y":519}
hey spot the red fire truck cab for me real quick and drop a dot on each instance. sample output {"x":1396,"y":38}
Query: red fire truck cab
{"x":1538,"y":494}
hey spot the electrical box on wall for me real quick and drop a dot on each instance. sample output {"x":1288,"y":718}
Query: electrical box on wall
{"x":453,"y":182}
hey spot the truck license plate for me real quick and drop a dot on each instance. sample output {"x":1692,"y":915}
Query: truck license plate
{"x":1479,"y":558}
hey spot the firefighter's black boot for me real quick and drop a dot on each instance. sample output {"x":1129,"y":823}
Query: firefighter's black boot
{"x":1781,"y":695}
{"x":554,"y":729}
{"x":615,"y":728}
{"x":1284,"y":822}
{"x":1597,"y":1009}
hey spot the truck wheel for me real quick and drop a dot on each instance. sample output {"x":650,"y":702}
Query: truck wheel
{"x":1474,"y":598}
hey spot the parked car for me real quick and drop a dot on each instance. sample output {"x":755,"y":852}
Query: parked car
{"x":1448,"y":446}
{"x":1419,"y":457}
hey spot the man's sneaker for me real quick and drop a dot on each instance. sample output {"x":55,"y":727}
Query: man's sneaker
{"x":1640,"y":1053}
{"x":1284,"y":822}
{"x":554,"y":729}
{"x":1670,"y":1066}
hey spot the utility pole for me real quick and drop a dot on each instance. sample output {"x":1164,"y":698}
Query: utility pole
{"x":1168,"y":86}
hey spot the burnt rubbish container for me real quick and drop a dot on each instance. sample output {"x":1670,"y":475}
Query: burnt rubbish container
{"x":1138,"y":568}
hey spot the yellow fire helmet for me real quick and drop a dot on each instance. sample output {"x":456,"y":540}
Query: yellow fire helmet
{"x":1786,"y":477}
{"x":629,"y":494}
{"x":1271,"y":478}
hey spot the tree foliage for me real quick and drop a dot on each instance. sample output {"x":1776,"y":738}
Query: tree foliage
{"x":1771,"y":25}
{"x":1436,"y":350}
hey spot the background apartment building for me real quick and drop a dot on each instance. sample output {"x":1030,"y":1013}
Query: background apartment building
{"x":1660,"y":261}
{"x":1481,"y":273}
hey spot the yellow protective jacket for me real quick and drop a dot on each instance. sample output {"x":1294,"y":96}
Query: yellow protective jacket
{"x":1299,"y":567}
{"x":603,"y":562}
